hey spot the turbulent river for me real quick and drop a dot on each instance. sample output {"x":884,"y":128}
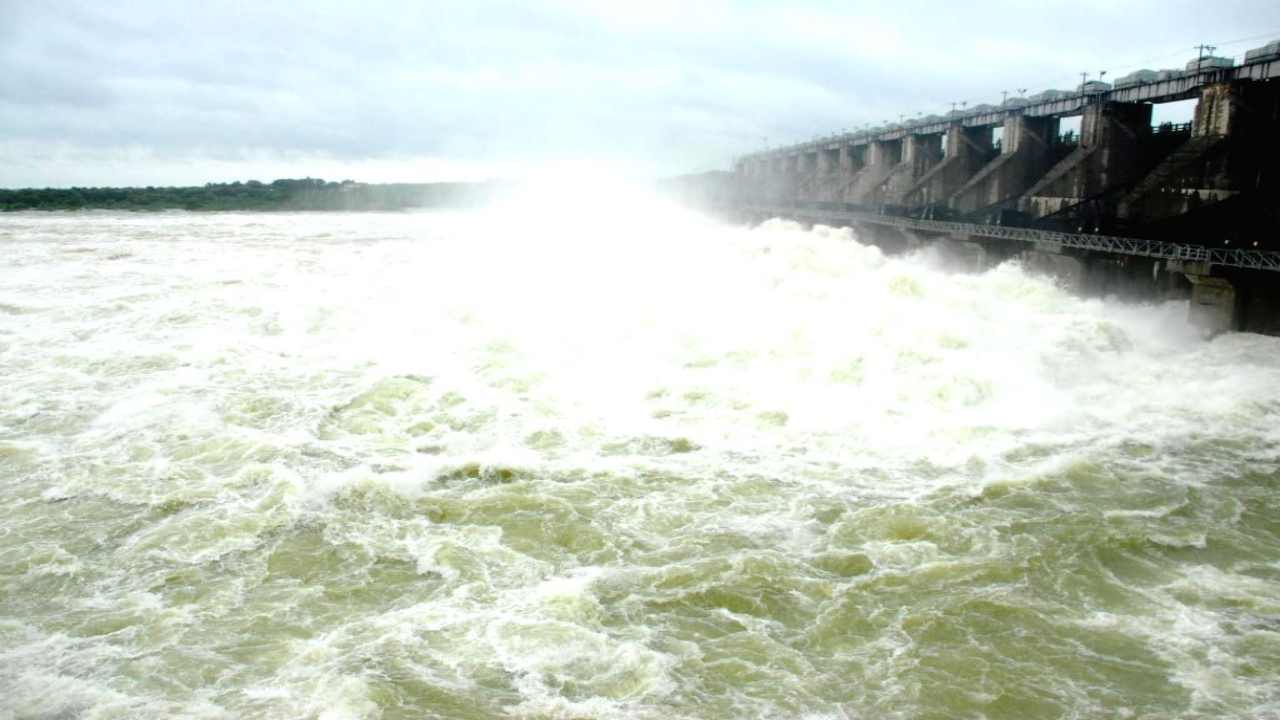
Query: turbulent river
{"x":623,"y":464}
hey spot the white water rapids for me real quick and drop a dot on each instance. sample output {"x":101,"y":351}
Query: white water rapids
{"x":535,"y":463}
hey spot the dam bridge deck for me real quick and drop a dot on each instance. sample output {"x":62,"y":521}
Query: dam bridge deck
{"x":1068,"y":104}
{"x":1226,"y":257}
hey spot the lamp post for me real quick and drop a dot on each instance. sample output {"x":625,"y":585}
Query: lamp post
{"x":1202,"y":49}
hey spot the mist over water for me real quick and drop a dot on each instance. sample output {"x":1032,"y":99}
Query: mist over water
{"x":541,"y":462}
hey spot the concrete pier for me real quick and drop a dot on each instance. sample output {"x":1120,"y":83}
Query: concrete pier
{"x":1117,"y":197}
{"x":1213,"y":304}
{"x":1025,"y":156}
{"x":967,"y":150}
{"x":1108,"y":156}
{"x":882,"y":158}
{"x":920,"y":154}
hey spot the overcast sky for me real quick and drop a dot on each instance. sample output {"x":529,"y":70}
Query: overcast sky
{"x":174,"y":92}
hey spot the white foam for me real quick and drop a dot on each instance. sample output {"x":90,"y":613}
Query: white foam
{"x":239,"y":379}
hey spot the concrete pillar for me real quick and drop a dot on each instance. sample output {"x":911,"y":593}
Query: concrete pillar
{"x":851,"y":161}
{"x":1257,"y":304}
{"x":807,"y":163}
{"x":1109,"y":156}
{"x":783,"y":180}
{"x":1245,"y":115}
{"x":1025,"y":156}
{"x":827,"y":178}
{"x":1067,"y":271}
{"x":1023,"y":133}
{"x":827,"y":160}
{"x":968,"y":142}
{"x":1112,"y":122}
{"x":1116,"y":129}
{"x":967,"y":150}
{"x":1133,"y":278}
{"x":877,"y":153}
{"x":808,"y":186}
{"x":882,"y":157}
{"x":1216,"y":109}
{"x":1228,"y":152}
{"x":960,"y":254}
{"x":920,"y":153}
{"x":746,"y":181}
{"x":852,"y":158}
{"x":909,"y":148}
{"x":1213,"y":304}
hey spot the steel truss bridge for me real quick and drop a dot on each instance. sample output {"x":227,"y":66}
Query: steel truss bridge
{"x":1238,"y":258}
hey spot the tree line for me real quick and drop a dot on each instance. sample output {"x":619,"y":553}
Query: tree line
{"x":284,"y":194}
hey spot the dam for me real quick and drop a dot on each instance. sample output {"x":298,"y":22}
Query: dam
{"x":1120,"y":207}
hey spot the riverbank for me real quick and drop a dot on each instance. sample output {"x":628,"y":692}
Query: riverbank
{"x":284,"y":194}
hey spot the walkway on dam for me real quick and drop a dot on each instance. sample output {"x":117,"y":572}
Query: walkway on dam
{"x":1062,"y":104}
{"x":1240,"y":258}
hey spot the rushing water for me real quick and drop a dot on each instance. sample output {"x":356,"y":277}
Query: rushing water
{"x":626,"y":464}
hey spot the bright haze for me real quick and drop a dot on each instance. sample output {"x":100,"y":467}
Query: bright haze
{"x":152,"y":93}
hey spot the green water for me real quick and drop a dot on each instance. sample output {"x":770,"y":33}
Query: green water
{"x":430,"y":466}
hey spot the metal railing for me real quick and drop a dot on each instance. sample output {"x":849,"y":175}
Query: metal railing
{"x":1250,"y":259}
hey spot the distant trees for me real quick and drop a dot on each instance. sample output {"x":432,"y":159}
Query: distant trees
{"x":283,"y":194}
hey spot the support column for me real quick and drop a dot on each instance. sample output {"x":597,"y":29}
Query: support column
{"x":968,"y":149}
{"x":747,"y":179}
{"x":808,"y":163}
{"x":1213,"y":304}
{"x":1245,"y":114}
{"x":1216,"y":109}
{"x":846,"y":160}
{"x":807,"y":185}
{"x":785,"y":183}
{"x":882,"y":157}
{"x":830,"y":176}
{"x":829,"y":160}
{"x":1108,"y":157}
{"x":920,"y":153}
{"x":852,"y":163}
{"x":1116,"y":129}
{"x":768,"y":181}
{"x":960,"y":253}
{"x":1231,"y":150}
{"x":1067,"y":271}
{"x":1024,"y":156}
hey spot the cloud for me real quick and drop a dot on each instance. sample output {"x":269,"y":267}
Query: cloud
{"x":657,"y":87}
